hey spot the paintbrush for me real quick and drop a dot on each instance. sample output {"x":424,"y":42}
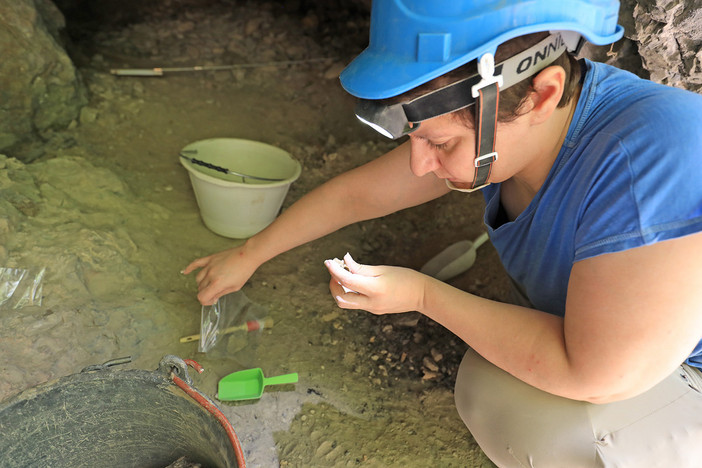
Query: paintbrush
{"x":251,"y":325}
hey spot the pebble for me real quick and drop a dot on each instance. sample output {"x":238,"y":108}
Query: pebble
{"x":330,"y":316}
{"x":252,"y":26}
{"x":334,"y":71}
{"x":436,"y":355}
{"x":88,"y":115}
{"x":408,"y":320}
{"x":430,"y":364}
{"x":310,"y":22}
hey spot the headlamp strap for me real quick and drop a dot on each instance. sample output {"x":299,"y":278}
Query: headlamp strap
{"x":486,"y":107}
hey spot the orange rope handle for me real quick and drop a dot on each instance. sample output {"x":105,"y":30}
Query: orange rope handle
{"x":195,"y":365}
{"x":209,"y":406}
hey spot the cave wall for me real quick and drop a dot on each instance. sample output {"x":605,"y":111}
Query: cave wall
{"x":40,"y":89}
{"x":669,"y":38}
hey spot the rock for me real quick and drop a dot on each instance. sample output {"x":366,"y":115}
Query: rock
{"x":252,"y":26}
{"x":88,"y":115}
{"x":436,"y":355}
{"x":429,"y":363}
{"x":185,"y":26}
{"x":333,"y":72}
{"x":669,"y":37}
{"x":310,"y":22}
{"x":417,"y":337}
{"x":409,"y":320}
{"x":330,"y":316}
{"x":41,"y":89}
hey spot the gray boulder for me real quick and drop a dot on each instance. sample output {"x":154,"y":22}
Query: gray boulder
{"x":669,"y":37}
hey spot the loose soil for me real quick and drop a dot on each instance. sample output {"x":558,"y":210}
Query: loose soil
{"x":109,"y":211}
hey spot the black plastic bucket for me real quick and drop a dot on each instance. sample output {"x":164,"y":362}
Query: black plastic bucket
{"x":110,"y":418}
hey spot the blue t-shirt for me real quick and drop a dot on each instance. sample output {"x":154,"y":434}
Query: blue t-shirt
{"x":629,"y":174}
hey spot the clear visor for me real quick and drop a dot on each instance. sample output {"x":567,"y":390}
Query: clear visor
{"x":393,"y":120}
{"x":388,"y":120}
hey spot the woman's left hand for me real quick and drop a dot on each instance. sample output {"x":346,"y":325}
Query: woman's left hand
{"x":377,"y":289}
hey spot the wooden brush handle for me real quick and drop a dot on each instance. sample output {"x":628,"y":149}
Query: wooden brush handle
{"x":251,"y":325}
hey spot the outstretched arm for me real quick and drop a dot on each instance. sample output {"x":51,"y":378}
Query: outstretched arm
{"x":378,"y":188}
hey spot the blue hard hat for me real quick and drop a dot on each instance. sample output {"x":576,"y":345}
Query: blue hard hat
{"x":415,"y":41}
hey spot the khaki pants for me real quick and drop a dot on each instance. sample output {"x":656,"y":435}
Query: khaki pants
{"x":518,"y":425}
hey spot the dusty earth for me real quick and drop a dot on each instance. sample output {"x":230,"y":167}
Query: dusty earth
{"x":110,"y":213}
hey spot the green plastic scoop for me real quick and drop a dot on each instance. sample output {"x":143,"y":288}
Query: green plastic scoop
{"x":249,"y":384}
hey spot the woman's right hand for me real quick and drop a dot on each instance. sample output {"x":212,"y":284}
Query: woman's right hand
{"x":221,"y":273}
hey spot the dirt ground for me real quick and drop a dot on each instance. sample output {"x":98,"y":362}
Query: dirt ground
{"x":110,"y":213}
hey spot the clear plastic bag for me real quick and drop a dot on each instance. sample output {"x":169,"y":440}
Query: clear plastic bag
{"x":227,"y":325}
{"x":20,"y":287}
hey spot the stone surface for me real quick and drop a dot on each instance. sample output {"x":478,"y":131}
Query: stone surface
{"x":39,"y":87}
{"x":40,"y":90}
{"x":669,"y":36}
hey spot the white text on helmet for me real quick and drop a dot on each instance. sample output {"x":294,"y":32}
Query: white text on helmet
{"x":530,"y":61}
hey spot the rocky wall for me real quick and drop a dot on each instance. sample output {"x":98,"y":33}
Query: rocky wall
{"x":40,"y":89}
{"x":669,"y":37}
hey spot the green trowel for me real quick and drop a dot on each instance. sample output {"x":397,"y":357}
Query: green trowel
{"x":249,"y":384}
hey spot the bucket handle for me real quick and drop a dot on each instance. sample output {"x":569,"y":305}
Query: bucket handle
{"x":180,"y":366}
{"x":110,"y":363}
{"x":221,"y":169}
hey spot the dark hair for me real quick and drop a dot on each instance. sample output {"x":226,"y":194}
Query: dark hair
{"x":512,"y":98}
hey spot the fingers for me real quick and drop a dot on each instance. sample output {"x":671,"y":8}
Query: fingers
{"x":207,"y":294}
{"x":219,"y":274}
{"x":211,"y":294}
{"x":206,"y":300}
{"x":349,"y":265}
{"x":198,"y":263}
{"x":347,"y":280}
{"x":207,"y":291}
{"x":204,"y":264}
{"x":201,"y":275}
{"x":344,"y":299}
{"x":358,"y":269}
{"x":352,"y":286}
{"x":208,"y":297}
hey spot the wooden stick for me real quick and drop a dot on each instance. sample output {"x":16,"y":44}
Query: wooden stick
{"x":159,"y":71}
{"x":251,"y":325}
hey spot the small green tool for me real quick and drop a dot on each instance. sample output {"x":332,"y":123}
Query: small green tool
{"x":248,"y":384}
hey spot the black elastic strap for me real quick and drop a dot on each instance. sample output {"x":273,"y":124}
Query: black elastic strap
{"x":486,"y":106}
{"x":444,"y":100}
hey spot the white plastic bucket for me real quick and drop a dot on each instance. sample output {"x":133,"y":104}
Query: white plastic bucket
{"x":233,"y":206}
